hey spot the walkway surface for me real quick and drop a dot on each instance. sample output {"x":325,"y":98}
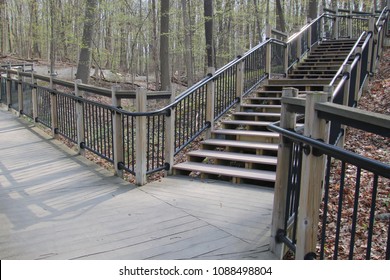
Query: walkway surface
{"x":55,"y":204}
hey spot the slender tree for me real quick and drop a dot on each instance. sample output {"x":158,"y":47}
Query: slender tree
{"x":83,"y":68}
{"x":313,"y":9}
{"x":208,"y":14}
{"x":187,"y":43}
{"x":280,"y":22}
{"x":164,"y":46}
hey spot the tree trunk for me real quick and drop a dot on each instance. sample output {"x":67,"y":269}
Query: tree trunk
{"x":313,"y":9}
{"x":83,"y":68}
{"x":187,"y":44}
{"x":208,"y":26}
{"x":164,"y":46}
{"x":280,"y":22}
{"x":52,"y":37}
{"x":155,"y":45}
{"x":3,"y":27}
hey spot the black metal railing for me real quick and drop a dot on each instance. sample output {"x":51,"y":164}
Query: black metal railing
{"x":347,"y":175}
{"x":190,"y":109}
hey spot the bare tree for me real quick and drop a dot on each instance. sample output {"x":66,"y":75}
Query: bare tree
{"x":164,"y":46}
{"x":83,"y":68}
{"x":208,"y":14}
{"x":187,"y":44}
{"x":280,"y":22}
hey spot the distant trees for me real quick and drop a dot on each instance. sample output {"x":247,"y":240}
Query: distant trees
{"x":152,"y":38}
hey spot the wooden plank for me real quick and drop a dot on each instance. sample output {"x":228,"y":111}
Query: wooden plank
{"x":57,"y":205}
{"x":234,"y":156}
{"x":228,"y":171}
{"x":241,"y":144}
{"x":246,"y":133}
{"x":246,"y":123}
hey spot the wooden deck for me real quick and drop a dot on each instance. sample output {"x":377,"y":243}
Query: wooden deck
{"x":55,"y":204}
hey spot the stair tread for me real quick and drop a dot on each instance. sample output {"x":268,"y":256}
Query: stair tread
{"x":241,"y":144}
{"x":244,"y":122}
{"x":256,"y":114}
{"x":246,"y":132}
{"x":235,"y":156}
{"x":228,"y":171}
{"x":261,"y":106}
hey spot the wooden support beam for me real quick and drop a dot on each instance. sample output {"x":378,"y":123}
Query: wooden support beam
{"x":336,"y":25}
{"x":210,"y":103}
{"x":34,"y":96}
{"x":117,"y":133}
{"x":287,"y":121}
{"x":53,"y":109}
{"x":169,"y":152}
{"x":141,"y":139}
{"x":268,"y":50}
{"x":240,"y":80}
{"x":358,"y":90}
{"x":312,"y":180}
{"x":8,"y":89}
{"x":80,"y":119}
{"x":20,"y":93}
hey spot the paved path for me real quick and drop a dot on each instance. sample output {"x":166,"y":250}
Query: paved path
{"x":55,"y":204}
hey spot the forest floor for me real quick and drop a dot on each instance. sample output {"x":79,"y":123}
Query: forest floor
{"x":375,"y":99}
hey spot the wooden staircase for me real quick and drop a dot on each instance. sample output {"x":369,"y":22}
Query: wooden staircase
{"x":242,"y":150}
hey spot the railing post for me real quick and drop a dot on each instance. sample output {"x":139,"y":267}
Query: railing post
{"x":299,"y":47}
{"x":117,"y":133}
{"x":358,"y":74}
{"x":371,"y":46}
{"x":240,"y":80}
{"x":268,"y":55}
{"x":287,"y":121}
{"x":210,"y":102}
{"x":53,"y":109}
{"x":350,"y":20}
{"x":20,"y":93}
{"x":286,"y":51}
{"x":8,"y":89}
{"x":141,"y":138}
{"x":169,"y":152}
{"x":34,"y":96}
{"x":336,"y":25}
{"x":313,"y":166}
{"x":80,"y":119}
{"x":309,"y":34}
{"x":375,"y":46}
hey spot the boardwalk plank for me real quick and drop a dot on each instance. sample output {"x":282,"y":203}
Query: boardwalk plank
{"x":55,"y":204}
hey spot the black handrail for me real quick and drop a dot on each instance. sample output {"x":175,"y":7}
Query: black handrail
{"x":352,"y":52}
{"x":368,"y":164}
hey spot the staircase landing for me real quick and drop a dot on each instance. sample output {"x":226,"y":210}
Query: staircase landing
{"x":55,"y":204}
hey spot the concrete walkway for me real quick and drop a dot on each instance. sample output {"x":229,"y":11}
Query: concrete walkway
{"x":55,"y":204}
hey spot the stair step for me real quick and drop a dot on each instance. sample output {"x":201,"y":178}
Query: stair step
{"x":311,"y":76}
{"x":293,"y":82}
{"x":245,"y":123}
{"x":242,"y":132}
{"x":261,"y":106}
{"x":257,"y":116}
{"x":240,"y":144}
{"x":259,"y":159}
{"x":228,"y":171}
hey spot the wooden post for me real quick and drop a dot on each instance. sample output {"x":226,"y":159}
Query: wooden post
{"x":80,"y":119}
{"x":312,"y":179}
{"x":53,"y":109}
{"x":299,"y":47}
{"x":286,"y":51}
{"x":210,"y":103}
{"x":375,"y":46}
{"x":350,"y":30}
{"x":309,"y":34}
{"x":240,"y":80}
{"x":287,"y":121}
{"x":141,"y":138}
{"x":371,"y":46}
{"x":118,"y":133}
{"x":358,"y":75}
{"x":268,"y":56}
{"x":169,"y":153}
{"x":336,"y":25}
{"x":34,"y":96}
{"x":20,"y":93}
{"x":8,"y":89}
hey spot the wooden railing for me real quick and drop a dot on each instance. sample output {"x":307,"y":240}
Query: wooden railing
{"x":143,"y":142}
